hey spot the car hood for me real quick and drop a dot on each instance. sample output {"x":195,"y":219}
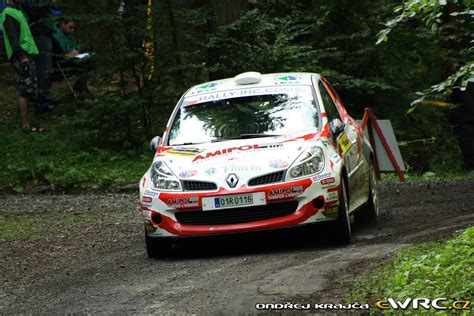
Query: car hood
{"x":246,"y":158}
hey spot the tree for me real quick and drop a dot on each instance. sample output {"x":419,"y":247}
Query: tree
{"x":453,"y":21}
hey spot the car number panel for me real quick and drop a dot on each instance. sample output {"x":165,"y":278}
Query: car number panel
{"x":233,"y":201}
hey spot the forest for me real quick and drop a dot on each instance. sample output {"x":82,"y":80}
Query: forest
{"x":410,"y":61}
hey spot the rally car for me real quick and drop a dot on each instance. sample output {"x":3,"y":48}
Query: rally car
{"x":257,"y":152}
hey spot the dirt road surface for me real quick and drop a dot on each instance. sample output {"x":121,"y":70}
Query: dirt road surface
{"x":98,"y":264}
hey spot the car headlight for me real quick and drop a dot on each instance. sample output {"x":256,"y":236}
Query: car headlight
{"x":163,"y":179}
{"x":310,"y":162}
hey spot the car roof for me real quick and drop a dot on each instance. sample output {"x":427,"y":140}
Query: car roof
{"x":266,"y":80}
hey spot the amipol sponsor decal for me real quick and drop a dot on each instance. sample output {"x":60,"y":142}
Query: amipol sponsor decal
{"x":282,"y":193}
{"x":183,"y":202}
{"x":226,"y":151}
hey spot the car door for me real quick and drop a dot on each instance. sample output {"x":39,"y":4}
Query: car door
{"x":348,"y":141}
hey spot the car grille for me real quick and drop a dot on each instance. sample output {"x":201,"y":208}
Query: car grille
{"x":268,"y":178}
{"x":198,"y":186}
{"x":236,"y":215}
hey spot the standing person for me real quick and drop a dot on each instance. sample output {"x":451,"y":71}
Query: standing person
{"x":21,"y":47}
{"x":42,"y":25}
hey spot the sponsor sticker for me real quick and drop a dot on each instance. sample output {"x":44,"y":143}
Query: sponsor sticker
{"x":278,"y":164}
{"x":210,"y":171}
{"x":230,"y":94}
{"x":336,"y":158}
{"x":183,"y":202}
{"x":205,"y":88}
{"x":321,"y":176}
{"x":147,"y":199}
{"x":147,"y":214}
{"x":187,"y":173}
{"x":226,"y":151}
{"x":233,"y":167}
{"x":332,"y":196}
{"x":328,"y":181}
{"x":150,"y":193}
{"x":344,"y":142}
{"x":287,"y":79}
{"x":282,"y":193}
{"x":331,"y":209}
{"x":183,"y":151}
{"x":188,"y":102}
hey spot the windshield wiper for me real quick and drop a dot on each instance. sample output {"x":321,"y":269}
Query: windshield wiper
{"x":244,"y":136}
{"x":184,"y":144}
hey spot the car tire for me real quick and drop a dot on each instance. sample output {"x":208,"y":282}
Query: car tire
{"x":157,"y":247}
{"x":370,"y":212}
{"x":342,"y":226}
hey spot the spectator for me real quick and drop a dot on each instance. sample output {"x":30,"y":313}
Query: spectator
{"x":42,"y":26}
{"x":20,"y":48}
{"x":65,"y":45}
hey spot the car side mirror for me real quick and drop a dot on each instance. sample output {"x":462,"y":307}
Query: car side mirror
{"x":336,"y":127}
{"x":155,"y":141}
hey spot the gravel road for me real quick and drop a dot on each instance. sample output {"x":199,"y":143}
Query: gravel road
{"x":87,"y":255}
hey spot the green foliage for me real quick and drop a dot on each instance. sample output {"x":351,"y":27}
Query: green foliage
{"x":65,"y":157}
{"x":436,"y":15}
{"x":22,"y":227}
{"x":102,"y":140}
{"x":441,"y":155}
{"x":431,"y":270}
{"x":458,"y":80}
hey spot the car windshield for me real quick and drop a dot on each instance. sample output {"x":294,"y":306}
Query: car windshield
{"x":199,"y":120}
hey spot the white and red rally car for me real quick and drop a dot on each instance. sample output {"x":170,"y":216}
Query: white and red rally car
{"x":257,"y":152}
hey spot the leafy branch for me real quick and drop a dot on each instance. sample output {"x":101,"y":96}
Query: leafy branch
{"x":430,"y":12}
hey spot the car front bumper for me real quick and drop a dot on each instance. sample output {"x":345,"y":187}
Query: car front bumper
{"x":292,"y":203}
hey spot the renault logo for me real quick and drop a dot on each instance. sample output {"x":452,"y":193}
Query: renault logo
{"x":232,"y":180}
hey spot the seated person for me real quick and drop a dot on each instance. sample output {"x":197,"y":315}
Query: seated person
{"x":64,"y":42}
{"x":69,"y":58}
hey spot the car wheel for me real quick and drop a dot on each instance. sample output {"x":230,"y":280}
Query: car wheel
{"x":342,"y":226}
{"x":157,"y":247}
{"x":369,"y":213}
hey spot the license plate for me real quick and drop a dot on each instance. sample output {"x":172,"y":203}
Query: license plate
{"x":232,"y":201}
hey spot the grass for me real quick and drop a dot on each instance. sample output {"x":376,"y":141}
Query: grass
{"x":67,"y":156}
{"x":431,"y":270}
{"x":429,"y":176}
{"x":25,"y":228}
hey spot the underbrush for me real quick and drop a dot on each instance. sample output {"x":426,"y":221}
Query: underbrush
{"x":429,"y":176}
{"x":430,"y":270}
{"x":66,"y":156}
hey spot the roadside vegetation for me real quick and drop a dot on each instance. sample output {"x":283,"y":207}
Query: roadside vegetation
{"x":72,"y":155}
{"x":103,"y":142}
{"x":26,"y":227}
{"x":431,"y":270}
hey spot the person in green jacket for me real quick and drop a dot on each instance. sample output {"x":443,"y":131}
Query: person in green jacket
{"x":20,"y":48}
{"x":65,"y":46}
{"x":63,"y":37}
